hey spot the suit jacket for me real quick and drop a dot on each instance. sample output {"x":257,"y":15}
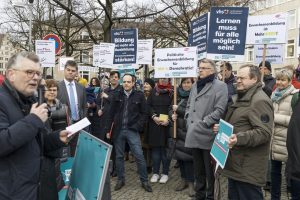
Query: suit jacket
{"x":81,"y":98}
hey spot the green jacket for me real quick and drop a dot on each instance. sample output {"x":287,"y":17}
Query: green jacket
{"x":252,"y":117}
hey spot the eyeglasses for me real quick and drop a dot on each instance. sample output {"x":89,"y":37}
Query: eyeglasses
{"x":31,"y":73}
{"x":204,"y":68}
{"x":52,"y":90}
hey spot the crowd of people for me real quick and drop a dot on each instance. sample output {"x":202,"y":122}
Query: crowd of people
{"x":264,"y":110}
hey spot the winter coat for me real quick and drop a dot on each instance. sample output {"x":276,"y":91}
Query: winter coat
{"x":269,"y":82}
{"x":252,"y":117}
{"x":293,"y":147}
{"x":137,"y":112}
{"x":104,"y":105}
{"x":22,"y":142}
{"x":204,"y":109}
{"x":282,"y":115}
{"x":181,"y":152}
{"x":158,"y":103}
{"x":230,"y":86}
{"x":51,"y":177}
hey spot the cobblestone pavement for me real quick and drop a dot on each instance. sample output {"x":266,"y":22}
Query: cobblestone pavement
{"x":133,"y":190}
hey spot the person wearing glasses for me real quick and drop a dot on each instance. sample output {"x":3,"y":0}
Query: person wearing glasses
{"x":22,"y":129}
{"x":74,"y":96}
{"x":206,"y":105}
{"x":51,"y":178}
{"x":252,"y":116}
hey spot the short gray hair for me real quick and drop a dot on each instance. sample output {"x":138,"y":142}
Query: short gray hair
{"x":284,"y":73}
{"x":211,"y":62}
{"x":23,"y":54}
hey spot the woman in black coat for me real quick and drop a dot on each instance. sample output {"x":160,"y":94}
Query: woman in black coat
{"x":50,"y":177}
{"x":158,"y":128}
{"x":182,"y":154}
{"x":293,"y":147}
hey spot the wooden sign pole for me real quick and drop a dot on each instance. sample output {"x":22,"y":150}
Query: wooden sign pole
{"x":175,"y":103}
{"x":263,"y":61}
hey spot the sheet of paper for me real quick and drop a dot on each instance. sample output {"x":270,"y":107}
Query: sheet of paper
{"x":78,"y":126}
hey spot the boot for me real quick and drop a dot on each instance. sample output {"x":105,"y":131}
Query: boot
{"x":191,"y":189}
{"x":182,"y":185}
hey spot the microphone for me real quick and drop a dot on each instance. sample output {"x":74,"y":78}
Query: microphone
{"x":40,"y":91}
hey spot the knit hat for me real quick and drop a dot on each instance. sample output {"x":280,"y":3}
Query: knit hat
{"x":267,"y":65}
{"x":150,"y":82}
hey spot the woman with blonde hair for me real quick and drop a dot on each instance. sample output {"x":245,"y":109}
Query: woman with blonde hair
{"x":282,"y":98}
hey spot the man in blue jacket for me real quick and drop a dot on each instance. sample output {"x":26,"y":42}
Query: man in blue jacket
{"x":22,"y":141}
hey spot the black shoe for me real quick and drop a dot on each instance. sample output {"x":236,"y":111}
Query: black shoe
{"x":149,"y":170}
{"x":146,"y":186}
{"x":267,"y":187}
{"x":176,"y":165}
{"x":114,"y":174}
{"x":119,"y":185}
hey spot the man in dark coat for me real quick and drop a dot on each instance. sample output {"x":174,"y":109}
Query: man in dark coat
{"x":269,"y":80}
{"x":128,"y":113}
{"x":21,"y":129}
{"x":252,"y":116}
{"x":229,"y":79}
{"x":293,"y":147}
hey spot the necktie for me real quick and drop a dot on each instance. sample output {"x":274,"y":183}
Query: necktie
{"x":72,"y":103}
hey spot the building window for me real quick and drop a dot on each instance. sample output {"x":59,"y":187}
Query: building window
{"x":1,"y":65}
{"x":84,"y":57}
{"x":290,"y":49}
{"x":1,"y":58}
{"x":6,"y":59}
{"x":250,"y":54}
{"x":292,"y":19}
{"x":84,"y":36}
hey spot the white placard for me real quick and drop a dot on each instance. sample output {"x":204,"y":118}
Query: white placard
{"x":106,"y":55}
{"x":45,"y":49}
{"x":274,"y":54}
{"x":267,"y":29}
{"x":62,"y":62}
{"x":144,"y":52}
{"x":175,"y":62}
{"x":96,"y":55}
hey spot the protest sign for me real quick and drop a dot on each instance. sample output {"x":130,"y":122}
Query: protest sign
{"x":227,"y":33}
{"x":105,"y":55}
{"x":267,"y":29}
{"x":62,"y":62}
{"x":274,"y":54}
{"x":128,"y":66}
{"x":175,"y":62}
{"x":220,"y":149}
{"x":96,"y":55}
{"x":45,"y":49}
{"x":198,"y":36}
{"x":144,"y":52}
{"x":125,"y":41}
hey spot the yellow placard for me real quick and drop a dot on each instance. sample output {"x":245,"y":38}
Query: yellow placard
{"x":163,"y":117}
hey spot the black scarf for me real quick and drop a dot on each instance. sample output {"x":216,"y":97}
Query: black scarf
{"x":25,"y":103}
{"x":202,"y":82}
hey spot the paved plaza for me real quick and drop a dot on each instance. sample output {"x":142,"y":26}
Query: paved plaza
{"x":133,"y":190}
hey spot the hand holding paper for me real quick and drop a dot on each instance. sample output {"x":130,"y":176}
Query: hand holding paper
{"x":78,"y":126}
